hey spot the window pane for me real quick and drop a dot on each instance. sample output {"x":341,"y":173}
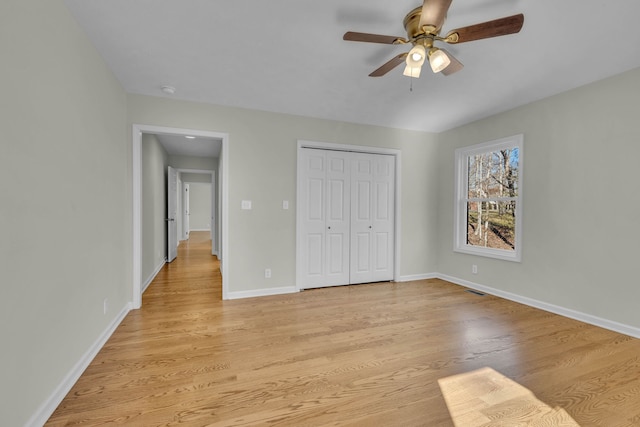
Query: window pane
{"x":491,"y":224}
{"x":493,"y":174}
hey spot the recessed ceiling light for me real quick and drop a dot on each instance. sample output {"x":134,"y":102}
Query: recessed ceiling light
{"x":190,"y":137}
{"x":169,"y":90}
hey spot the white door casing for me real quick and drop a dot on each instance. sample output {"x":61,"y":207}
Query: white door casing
{"x":172,"y":214}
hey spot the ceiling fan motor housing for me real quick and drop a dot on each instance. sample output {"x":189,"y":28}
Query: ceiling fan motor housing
{"x":412,"y":23}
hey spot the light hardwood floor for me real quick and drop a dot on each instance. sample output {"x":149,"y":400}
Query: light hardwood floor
{"x":365,"y":355}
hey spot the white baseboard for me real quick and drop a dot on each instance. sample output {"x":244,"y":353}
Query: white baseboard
{"x":199,"y":229}
{"x":562,"y":311}
{"x":153,"y":275}
{"x":413,"y":277}
{"x":49,"y":406}
{"x":262,"y":292}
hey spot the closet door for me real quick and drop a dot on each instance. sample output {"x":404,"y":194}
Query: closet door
{"x":372,"y":218}
{"x":338,"y":188}
{"x":324,"y":211}
{"x":346,"y":212}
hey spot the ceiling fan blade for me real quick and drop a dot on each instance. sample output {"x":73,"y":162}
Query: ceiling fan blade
{"x":389,"y":65}
{"x":371,"y":38}
{"x":434,"y":12}
{"x":455,"y":65}
{"x":495,"y":28}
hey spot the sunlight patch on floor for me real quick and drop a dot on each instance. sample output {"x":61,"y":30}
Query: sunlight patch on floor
{"x":484,"y":398}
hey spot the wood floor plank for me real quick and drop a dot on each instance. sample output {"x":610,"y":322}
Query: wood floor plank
{"x":365,"y":355}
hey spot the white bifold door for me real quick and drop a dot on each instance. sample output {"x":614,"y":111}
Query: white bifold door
{"x":346,"y":209}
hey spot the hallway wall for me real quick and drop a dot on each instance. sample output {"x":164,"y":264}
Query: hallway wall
{"x":155,"y":161}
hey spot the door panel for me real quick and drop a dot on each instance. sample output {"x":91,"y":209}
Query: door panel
{"x":336,"y":254}
{"x":381,"y":255}
{"x":336,"y":202}
{"x":373,"y":201}
{"x":315,"y":205}
{"x":383,"y":218}
{"x":172,"y":214}
{"x":382,"y":209}
{"x":338,"y":217}
{"x":363,"y":199}
{"x":312,"y":214}
{"x":363,"y":254}
{"x":315,"y":250}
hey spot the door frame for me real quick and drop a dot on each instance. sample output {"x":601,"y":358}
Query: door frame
{"x":355,"y":149}
{"x":223,"y":179}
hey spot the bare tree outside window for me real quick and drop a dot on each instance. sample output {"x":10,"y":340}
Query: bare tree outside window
{"x":492,"y":193}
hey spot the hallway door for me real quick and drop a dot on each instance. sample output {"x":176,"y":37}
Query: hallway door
{"x":172,"y":214}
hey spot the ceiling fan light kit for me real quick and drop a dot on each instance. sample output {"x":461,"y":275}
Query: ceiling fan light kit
{"x":423,"y":25}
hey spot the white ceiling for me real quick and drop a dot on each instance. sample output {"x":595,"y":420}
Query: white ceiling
{"x":288,"y":56}
{"x":179,"y":145}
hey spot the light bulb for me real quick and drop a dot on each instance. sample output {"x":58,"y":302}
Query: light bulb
{"x":416,"y":56}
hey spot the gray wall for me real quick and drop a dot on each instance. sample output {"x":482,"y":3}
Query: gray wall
{"x":262,"y":168}
{"x":196,"y":177}
{"x":190,"y":162}
{"x":581,"y":203}
{"x":154,"y":206}
{"x":65,"y":226}
{"x":199,"y":206}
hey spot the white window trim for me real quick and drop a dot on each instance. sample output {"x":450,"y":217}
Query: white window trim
{"x":460,"y":212}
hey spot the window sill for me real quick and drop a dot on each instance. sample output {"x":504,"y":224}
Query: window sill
{"x":513,"y":256}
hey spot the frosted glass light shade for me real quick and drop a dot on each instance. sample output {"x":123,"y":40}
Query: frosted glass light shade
{"x":410,"y":71}
{"x":438,"y":60}
{"x":415,"y":59}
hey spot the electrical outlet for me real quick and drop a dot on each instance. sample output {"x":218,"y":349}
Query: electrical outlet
{"x":474,"y":269}
{"x":105,"y":305}
{"x":267,"y":273}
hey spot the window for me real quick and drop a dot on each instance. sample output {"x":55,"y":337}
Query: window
{"x":488,"y":210}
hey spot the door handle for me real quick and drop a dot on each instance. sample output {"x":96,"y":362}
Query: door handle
{"x":169,"y":219}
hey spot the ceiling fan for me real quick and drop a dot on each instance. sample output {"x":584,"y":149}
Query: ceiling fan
{"x":423,"y":25}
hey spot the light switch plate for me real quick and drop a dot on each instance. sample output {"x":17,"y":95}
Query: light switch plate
{"x":246,"y":204}
{"x":285,"y":204}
